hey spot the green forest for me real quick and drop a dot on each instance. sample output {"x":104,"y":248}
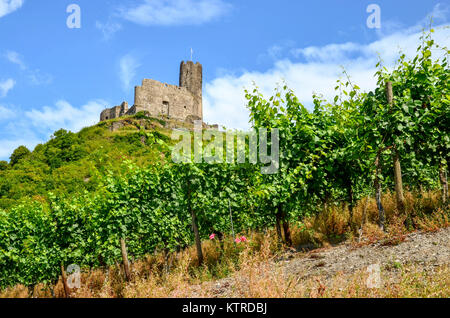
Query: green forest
{"x":73,"y":199}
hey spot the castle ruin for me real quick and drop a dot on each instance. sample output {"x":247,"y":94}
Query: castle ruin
{"x":156,"y":99}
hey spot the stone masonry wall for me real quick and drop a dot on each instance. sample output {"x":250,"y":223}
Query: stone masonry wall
{"x":114,"y":112}
{"x":191,"y":77}
{"x":159,"y":99}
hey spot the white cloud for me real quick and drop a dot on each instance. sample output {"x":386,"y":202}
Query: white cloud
{"x":15,"y":58}
{"x":108,"y":29}
{"x":37,"y":125}
{"x":64,"y":115}
{"x":437,"y":16}
{"x":175,"y":12}
{"x":8,"y":146}
{"x":6,"y":86}
{"x":308,"y":70}
{"x":8,"y":6}
{"x":224,"y":101}
{"x":334,"y":52}
{"x":5,"y":113}
{"x":276,"y":51}
{"x":39,"y":78}
{"x":36,"y":76}
{"x":128,"y":66}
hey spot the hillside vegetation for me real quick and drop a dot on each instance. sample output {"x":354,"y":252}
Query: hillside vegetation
{"x":363,"y":167}
{"x":74,"y":162}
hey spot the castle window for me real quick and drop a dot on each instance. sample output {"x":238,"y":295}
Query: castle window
{"x":166,"y":108}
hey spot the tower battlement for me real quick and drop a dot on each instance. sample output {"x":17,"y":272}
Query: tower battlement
{"x":165,"y":100}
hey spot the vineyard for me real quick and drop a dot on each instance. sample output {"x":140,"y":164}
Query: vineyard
{"x":361,"y":145}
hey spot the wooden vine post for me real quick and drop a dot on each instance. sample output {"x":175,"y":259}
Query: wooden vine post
{"x":363,"y":219}
{"x":396,"y":158}
{"x":231,"y":219}
{"x":377,"y":185}
{"x":198,"y":241}
{"x":126,"y":264}
{"x":64,"y":281}
{"x":286,"y":229}
{"x":444,"y":182}
{"x":278,"y":224}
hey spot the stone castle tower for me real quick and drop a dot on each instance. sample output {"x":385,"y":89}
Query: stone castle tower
{"x":191,"y":77}
{"x":183,"y":102}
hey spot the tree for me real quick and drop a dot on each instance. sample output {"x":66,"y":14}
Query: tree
{"x":18,"y":154}
{"x":3,"y":165}
{"x":62,"y":148}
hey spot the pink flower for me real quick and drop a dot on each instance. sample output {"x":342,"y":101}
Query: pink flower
{"x":212,"y":236}
{"x":238,"y":240}
{"x":243,"y":239}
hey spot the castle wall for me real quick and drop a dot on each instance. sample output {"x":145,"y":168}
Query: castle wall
{"x":114,"y":112}
{"x":158,"y":99}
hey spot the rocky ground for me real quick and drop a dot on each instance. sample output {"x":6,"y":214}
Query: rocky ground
{"x":425,"y":251}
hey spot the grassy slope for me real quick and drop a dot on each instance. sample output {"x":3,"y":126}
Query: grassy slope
{"x":97,"y":150}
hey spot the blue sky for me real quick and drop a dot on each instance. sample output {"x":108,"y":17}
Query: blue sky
{"x":52,"y":76}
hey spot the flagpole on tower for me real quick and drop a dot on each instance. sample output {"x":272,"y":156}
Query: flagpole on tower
{"x":192,"y":52}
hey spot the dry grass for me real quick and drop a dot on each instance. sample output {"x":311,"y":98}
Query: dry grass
{"x":410,"y":281}
{"x":181,"y":276}
{"x":334,"y":226}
